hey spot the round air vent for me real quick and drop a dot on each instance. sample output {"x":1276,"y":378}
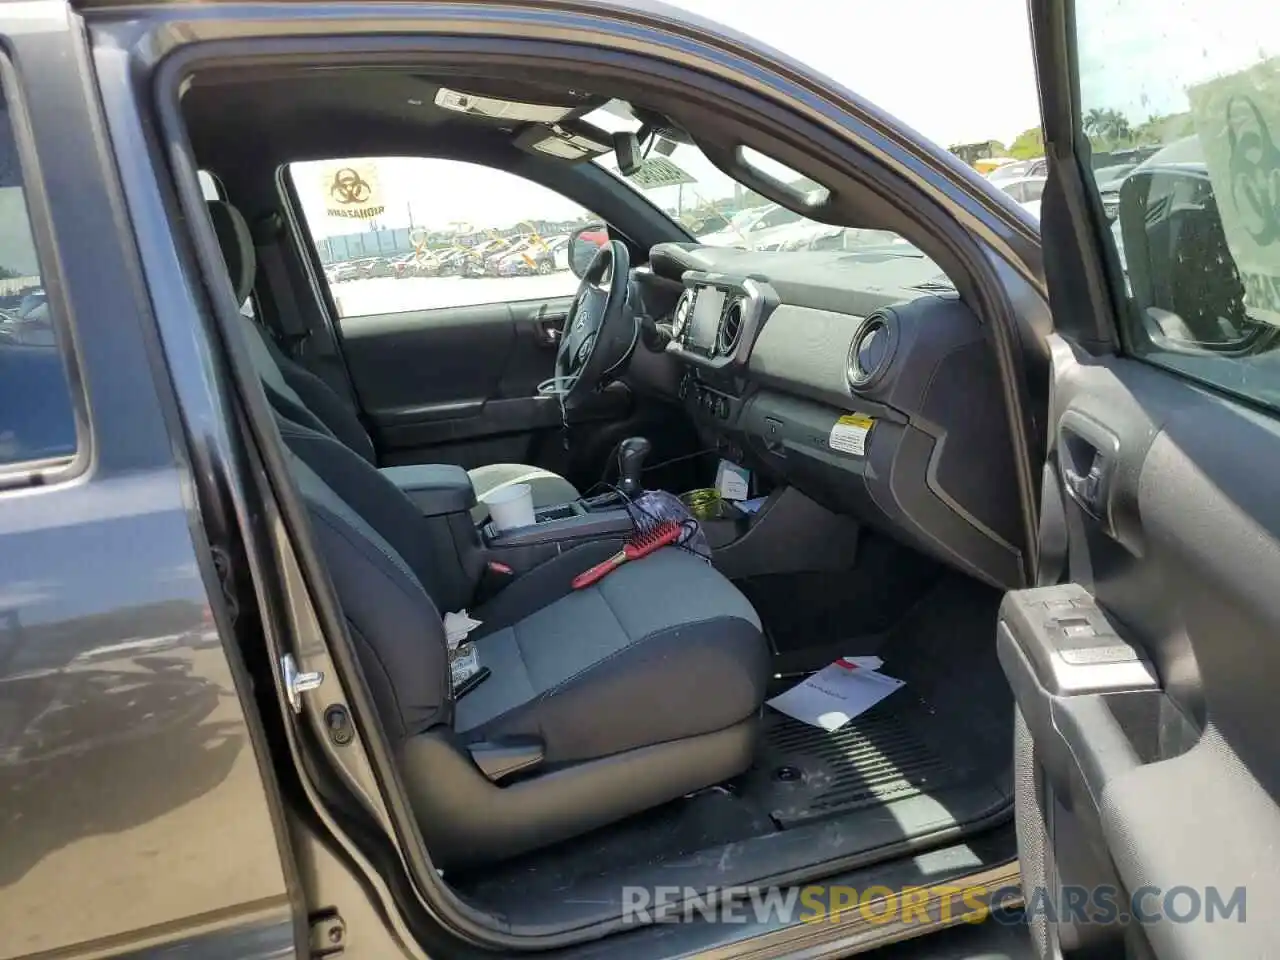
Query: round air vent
{"x":730,"y":327}
{"x":870,"y":353}
{"x":680,"y":318}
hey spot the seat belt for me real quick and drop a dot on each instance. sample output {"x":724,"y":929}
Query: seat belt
{"x":286,"y":321}
{"x":1054,"y":542}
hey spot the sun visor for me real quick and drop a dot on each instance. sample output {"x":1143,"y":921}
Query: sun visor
{"x":497,"y":109}
{"x":563,"y":140}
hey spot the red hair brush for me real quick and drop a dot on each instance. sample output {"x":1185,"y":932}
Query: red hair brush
{"x":640,"y":545}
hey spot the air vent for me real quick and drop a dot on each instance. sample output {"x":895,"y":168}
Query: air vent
{"x":731,"y":327}
{"x":680,"y":319}
{"x":870,"y":353}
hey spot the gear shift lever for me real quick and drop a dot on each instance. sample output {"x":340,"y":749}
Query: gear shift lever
{"x":631,"y":454}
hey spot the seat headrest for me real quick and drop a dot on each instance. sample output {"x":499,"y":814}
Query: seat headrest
{"x":237,"y":247}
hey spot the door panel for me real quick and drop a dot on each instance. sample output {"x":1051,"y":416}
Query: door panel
{"x":1148,"y":683}
{"x":435,"y":376}
{"x":460,"y":384}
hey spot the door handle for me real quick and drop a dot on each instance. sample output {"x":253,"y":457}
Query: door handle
{"x":1088,"y":488}
{"x":550,"y":330}
{"x":1087,"y":454}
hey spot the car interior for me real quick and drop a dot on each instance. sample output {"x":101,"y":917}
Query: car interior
{"x":621,"y":734}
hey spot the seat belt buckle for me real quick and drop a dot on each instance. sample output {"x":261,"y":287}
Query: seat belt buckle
{"x":494,"y":578}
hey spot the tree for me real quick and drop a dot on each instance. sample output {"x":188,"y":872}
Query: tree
{"x":1027,"y":145}
{"x":1094,"y":121}
{"x":1158,"y":129}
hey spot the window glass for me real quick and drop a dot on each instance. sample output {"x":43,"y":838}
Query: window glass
{"x":37,"y":421}
{"x":1181,"y":104}
{"x":720,"y":212}
{"x":401,"y":234}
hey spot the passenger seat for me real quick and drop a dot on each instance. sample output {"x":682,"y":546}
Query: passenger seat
{"x":600,"y":702}
{"x":301,"y":396}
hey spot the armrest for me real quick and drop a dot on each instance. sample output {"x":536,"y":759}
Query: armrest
{"x":510,"y":755}
{"x":435,"y":488}
{"x":583,"y":526}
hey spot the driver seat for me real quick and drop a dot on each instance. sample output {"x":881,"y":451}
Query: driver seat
{"x":302,"y":397}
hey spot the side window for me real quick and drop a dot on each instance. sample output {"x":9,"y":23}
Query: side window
{"x":1190,"y":117}
{"x":1034,"y":189}
{"x":402,"y":234}
{"x":37,"y":419}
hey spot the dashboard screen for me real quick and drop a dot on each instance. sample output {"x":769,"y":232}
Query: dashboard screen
{"x":706,"y":318}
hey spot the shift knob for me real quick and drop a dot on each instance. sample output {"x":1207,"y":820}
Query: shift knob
{"x":631,"y":454}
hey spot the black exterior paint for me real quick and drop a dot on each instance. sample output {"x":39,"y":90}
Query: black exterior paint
{"x":124,"y":745}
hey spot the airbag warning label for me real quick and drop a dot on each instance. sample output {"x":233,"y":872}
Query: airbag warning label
{"x":849,"y":434}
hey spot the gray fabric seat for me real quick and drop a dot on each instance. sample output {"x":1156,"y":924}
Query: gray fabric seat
{"x":623,"y":664}
{"x":304,"y":398}
{"x":639,"y":689}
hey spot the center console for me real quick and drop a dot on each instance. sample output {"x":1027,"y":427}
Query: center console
{"x":557,"y":529}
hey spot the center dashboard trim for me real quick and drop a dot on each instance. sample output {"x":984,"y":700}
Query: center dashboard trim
{"x":746,"y":303}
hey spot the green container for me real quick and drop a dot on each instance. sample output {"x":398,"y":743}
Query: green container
{"x":705,"y":504}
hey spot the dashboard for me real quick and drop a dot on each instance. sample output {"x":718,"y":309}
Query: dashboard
{"x":861,"y":379}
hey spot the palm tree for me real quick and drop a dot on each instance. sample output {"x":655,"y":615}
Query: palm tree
{"x":1094,"y":121}
{"x":1118,"y":125}
{"x":1109,"y":126}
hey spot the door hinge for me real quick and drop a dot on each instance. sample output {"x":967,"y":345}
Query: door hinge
{"x":295,"y":683}
{"x":328,"y":933}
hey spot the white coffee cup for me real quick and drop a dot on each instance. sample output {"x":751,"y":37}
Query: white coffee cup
{"x":511,"y":506}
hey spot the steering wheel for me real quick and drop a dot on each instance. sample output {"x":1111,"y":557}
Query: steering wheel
{"x":600,"y":331}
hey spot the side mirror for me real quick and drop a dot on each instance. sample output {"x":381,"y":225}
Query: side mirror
{"x":1177,"y":264}
{"x":583,"y":245}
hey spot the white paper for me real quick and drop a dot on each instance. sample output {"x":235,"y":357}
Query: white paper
{"x":457,"y":626}
{"x":733,"y":481}
{"x":836,"y":694}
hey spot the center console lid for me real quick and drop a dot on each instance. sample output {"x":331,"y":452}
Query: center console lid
{"x":435,"y":488}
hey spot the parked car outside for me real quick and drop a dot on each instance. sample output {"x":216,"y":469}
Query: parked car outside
{"x":1018,"y":170}
{"x":545,"y":256}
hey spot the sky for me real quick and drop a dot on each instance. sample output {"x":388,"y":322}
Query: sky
{"x":1127,"y":66}
{"x":956,"y":72}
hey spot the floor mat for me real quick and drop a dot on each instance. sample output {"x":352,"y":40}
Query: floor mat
{"x":945,"y":733}
{"x":805,"y":613}
{"x":803,"y":773}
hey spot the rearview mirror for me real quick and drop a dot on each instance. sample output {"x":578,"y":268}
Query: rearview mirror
{"x":626,"y":149}
{"x":583,"y":246}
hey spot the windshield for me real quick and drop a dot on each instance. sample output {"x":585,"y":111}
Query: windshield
{"x":720,"y":212}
